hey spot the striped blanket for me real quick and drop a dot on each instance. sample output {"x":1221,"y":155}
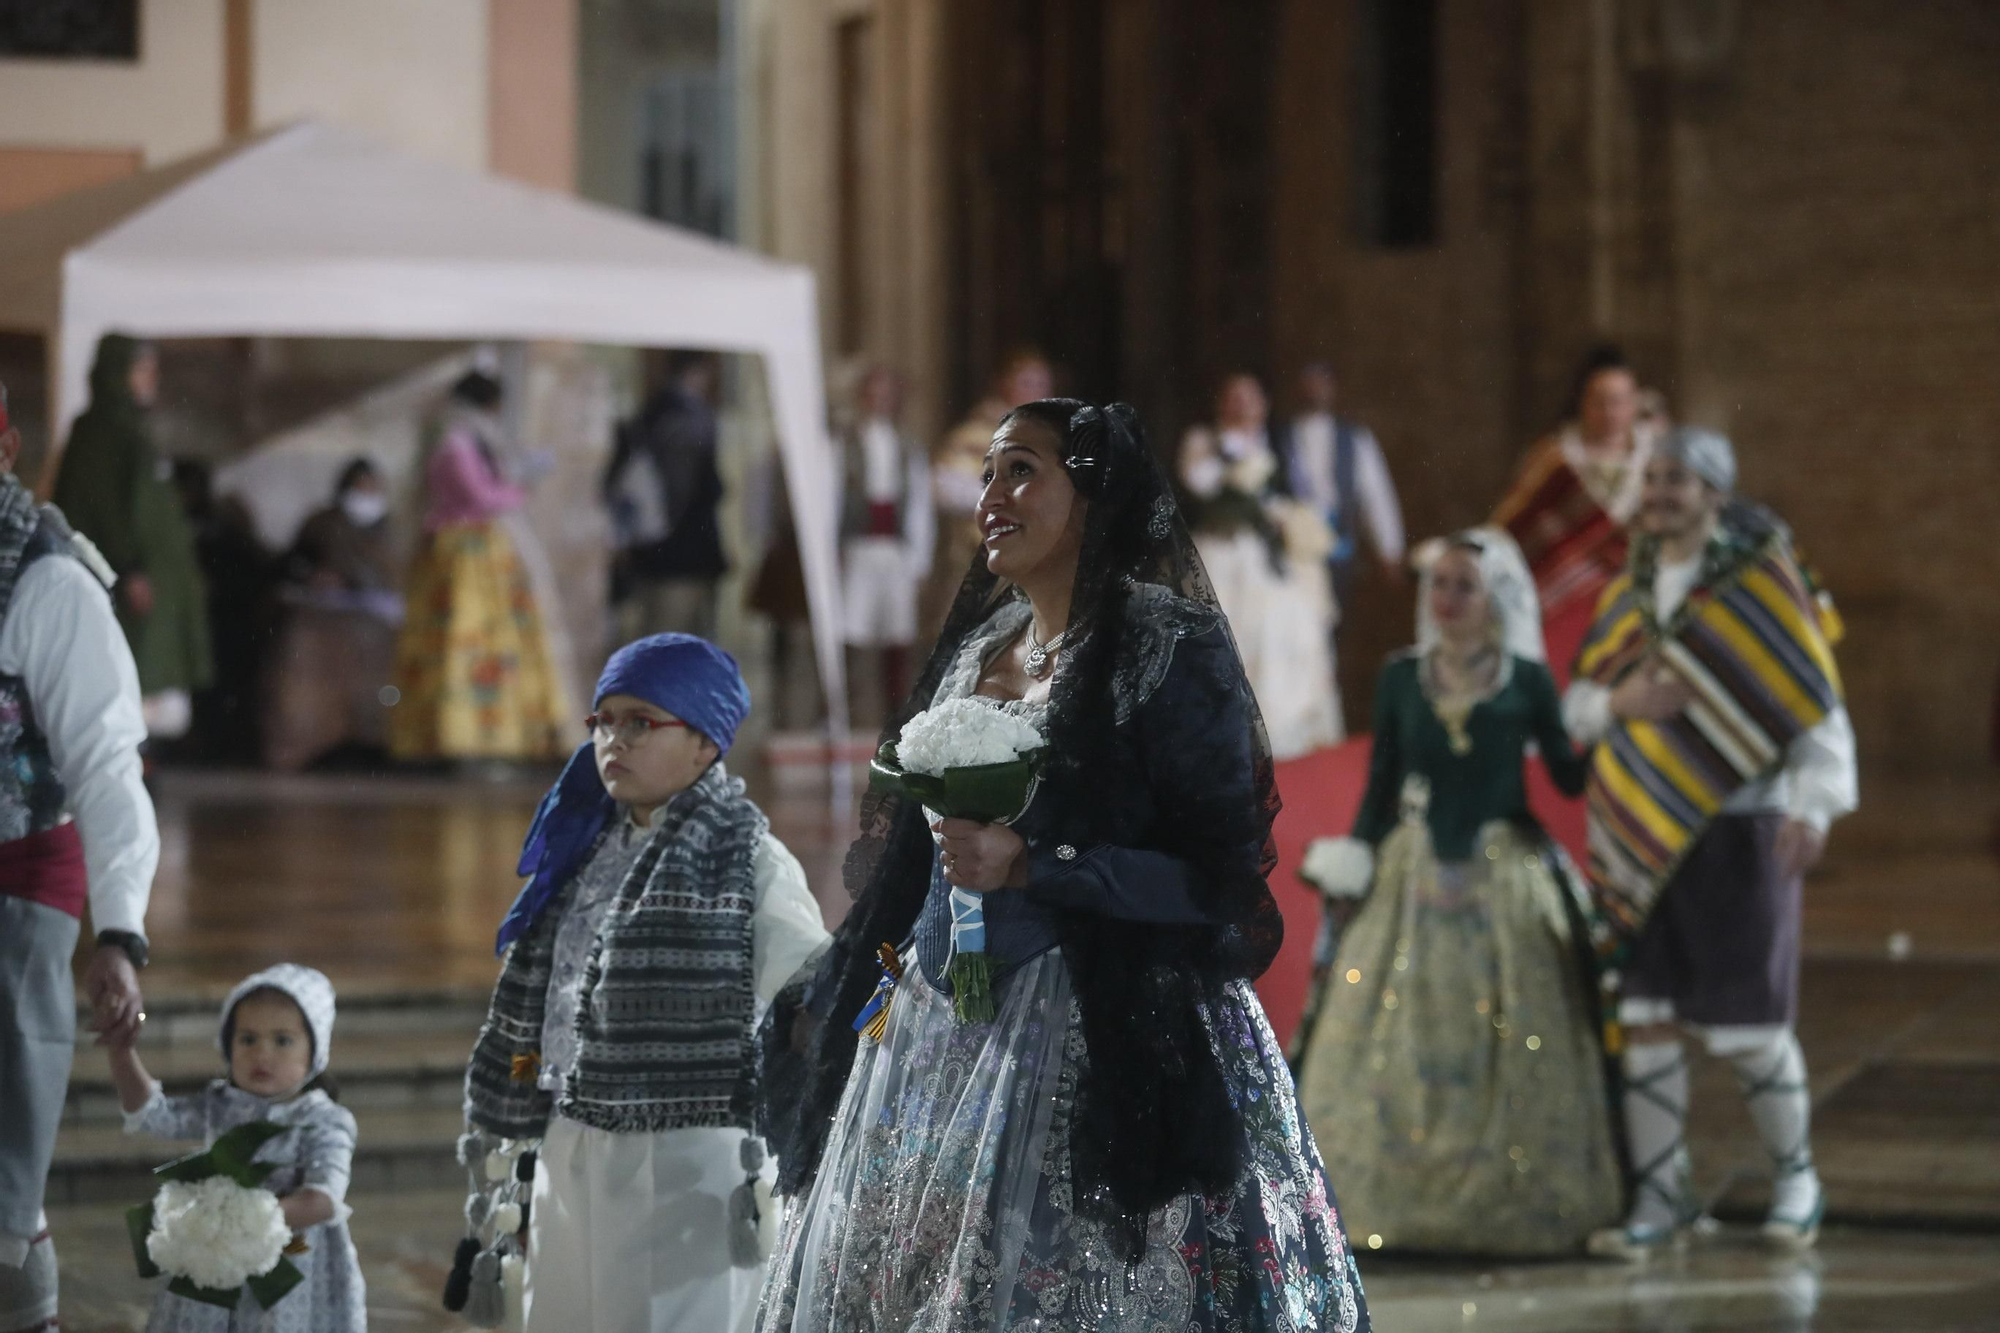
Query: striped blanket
{"x":1754,"y":644}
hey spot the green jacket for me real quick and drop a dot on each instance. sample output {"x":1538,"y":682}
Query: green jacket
{"x":116,"y":489}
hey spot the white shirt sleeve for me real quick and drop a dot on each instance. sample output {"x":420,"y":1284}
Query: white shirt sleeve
{"x":1201,"y":466}
{"x":786,"y":927}
{"x":919,"y":517}
{"x":1825,"y":781}
{"x":1587,"y":712}
{"x":62,"y":640}
{"x":1377,"y":494}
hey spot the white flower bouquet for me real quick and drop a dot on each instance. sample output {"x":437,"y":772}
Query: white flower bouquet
{"x":213,"y":1229}
{"x":965,"y":759}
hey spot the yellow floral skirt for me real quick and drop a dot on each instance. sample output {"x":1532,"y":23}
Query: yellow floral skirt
{"x":1454,"y":1077}
{"x":473,"y":668}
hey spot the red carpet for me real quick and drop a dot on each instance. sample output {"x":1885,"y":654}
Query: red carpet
{"x":1321,"y":793}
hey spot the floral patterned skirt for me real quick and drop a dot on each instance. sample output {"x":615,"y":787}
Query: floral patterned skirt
{"x":943,"y":1204}
{"x":474,"y":669}
{"x":1456,"y":1052}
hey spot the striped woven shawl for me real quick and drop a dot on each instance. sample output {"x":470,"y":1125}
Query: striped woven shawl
{"x":665,"y":1033}
{"x":1751,"y":644}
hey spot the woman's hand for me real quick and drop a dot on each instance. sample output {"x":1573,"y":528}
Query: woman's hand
{"x":981,"y":858}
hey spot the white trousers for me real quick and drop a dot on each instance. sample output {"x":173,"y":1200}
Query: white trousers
{"x":629,"y":1233}
{"x":879,"y":592}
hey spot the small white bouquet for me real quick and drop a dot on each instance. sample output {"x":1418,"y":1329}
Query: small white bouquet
{"x":965,"y":759}
{"x":215,"y":1233}
{"x":1339,"y":867}
{"x":214,"y":1229}
{"x":964,"y":734}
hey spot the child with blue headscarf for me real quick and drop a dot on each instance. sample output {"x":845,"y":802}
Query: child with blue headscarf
{"x":659,"y":918}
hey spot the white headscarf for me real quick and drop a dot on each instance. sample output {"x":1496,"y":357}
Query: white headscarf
{"x":1517,"y":611}
{"x":1706,"y":454}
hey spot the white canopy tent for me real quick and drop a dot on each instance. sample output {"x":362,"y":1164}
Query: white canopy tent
{"x":314,"y":231}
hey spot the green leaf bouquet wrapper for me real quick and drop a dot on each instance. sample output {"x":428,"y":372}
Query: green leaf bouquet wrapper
{"x":987,"y":794}
{"x":229,"y":1156}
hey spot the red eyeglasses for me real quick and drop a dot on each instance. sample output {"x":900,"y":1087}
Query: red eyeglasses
{"x":610,"y":727}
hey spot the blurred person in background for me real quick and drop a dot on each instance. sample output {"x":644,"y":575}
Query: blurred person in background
{"x":956,"y":475}
{"x":76,"y":828}
{"x":663,"y":489}
{"x":778,"y":592}
{"x":476,"y":678}
{"x":888,"y":531}
{"x":1576,"y":492}
{"x":1335,"y":466}
{"x":336,"y":651}
{"x":241,"y":575}
{"x":118,"y":490}
{"x":1267,"y":555}
{"x":1723,"y":754}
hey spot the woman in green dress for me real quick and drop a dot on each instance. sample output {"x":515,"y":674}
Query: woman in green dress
{"x":1450,"y":1063}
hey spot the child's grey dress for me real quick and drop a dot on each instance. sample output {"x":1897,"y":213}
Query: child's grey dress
{"x":317,"y":1151}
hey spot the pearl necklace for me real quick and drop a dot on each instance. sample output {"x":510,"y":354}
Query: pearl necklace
{"x":1037,"y":664}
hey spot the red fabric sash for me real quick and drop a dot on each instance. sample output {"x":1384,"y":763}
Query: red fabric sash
{"x":46,"y":868}
{"x":885,"y":518}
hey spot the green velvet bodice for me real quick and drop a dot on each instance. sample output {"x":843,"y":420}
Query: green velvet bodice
{"x":1469,"y":789}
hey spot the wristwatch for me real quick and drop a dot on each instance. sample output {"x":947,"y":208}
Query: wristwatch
{"x":134,"y":945}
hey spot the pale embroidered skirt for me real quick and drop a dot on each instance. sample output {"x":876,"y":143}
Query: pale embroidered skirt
{"x":943,"y":1202}
{"x":1454,"y":1070}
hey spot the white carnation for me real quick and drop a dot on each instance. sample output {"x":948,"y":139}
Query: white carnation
{"x":963,"y":733}
{"x":216,"y":1233}
{"x":1339,"y":867}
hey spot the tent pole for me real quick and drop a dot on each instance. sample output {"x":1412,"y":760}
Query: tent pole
{"x":52,"y":374}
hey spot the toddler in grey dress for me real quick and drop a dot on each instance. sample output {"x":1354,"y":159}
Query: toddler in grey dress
{"x":277,"y":1027}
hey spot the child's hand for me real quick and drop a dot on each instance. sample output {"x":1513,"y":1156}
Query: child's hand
{"x":120,"y":1041}
{"x":305,"y":1208}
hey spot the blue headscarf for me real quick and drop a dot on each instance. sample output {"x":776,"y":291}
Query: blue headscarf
{"x":687,"y":676}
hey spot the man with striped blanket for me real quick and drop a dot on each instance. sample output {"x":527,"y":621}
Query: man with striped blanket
{"x":1723,"y":753}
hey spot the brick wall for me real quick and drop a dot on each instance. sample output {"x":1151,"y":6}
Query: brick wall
{"x":1789,"y":216}
{"x":1850,"y":289}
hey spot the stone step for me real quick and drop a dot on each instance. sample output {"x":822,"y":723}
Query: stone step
{"x":385,"y":1070}
{"x":399,"y":1150}
{"x":193,"y":1019}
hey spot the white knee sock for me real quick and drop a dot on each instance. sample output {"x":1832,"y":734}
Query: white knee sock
{"x":1656,"y":1101}
{"x":1773,"y":1079}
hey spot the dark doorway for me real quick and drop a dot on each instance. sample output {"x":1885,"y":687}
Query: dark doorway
{"x":1111,"y":194}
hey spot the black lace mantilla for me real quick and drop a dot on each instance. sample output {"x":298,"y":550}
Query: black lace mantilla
{"x":1152,"y":1113}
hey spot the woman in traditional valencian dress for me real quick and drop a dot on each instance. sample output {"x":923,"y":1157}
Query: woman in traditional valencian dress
{"x":1266,"y":554}
{"x":1120,"y":1148}
{"x":476,"y":666}
{"x":1451,"y":1061}
{"x":1576,"y":492}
